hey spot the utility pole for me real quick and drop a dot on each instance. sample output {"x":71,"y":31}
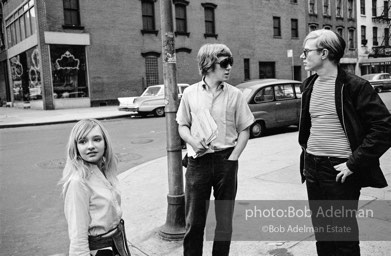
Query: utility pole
{"x":174,"y":228}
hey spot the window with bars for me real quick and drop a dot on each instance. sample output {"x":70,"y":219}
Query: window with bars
{"x":71,"y":13}
{"x":151,"y":70}
{"x":210,"y":23}
{"x":276,"y":26}
{"x":295,"y":28}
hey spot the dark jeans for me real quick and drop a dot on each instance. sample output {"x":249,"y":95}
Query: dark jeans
{"x":204,"y":173}
{"x":336,"y":234}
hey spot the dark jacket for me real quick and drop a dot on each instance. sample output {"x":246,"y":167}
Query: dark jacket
{"x":365,"y":120}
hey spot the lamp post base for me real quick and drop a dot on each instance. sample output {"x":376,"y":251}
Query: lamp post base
{"x":174,"y":229}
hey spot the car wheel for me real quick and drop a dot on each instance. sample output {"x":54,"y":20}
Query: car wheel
{"x":159,"y":112}
{"x":257,"y":129}
{"x":379,"y":89}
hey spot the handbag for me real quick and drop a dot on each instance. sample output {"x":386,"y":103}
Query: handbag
{"x":117,"y":240}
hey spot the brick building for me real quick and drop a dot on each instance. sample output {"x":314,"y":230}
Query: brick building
{"x":78,"y":53}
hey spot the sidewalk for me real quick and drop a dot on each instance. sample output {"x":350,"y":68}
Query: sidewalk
{"x":268,"y":170}
{"x":16,"y":117}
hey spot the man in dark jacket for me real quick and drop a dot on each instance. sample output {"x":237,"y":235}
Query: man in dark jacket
{"x":344,"y":129}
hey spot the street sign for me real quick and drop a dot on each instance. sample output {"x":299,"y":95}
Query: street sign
{"x":290,"y":53}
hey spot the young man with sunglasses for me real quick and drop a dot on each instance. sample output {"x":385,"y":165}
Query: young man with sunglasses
{"x":217,"y":164}
{"x":344,"y":129}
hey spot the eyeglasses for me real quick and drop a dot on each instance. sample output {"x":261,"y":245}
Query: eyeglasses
{"x":306,"y":51}
{"x":225,"y":62}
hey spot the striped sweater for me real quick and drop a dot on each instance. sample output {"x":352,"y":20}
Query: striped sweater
{"x":327,"y":137}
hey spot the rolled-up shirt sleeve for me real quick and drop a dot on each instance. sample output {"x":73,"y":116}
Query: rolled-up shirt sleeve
{"x":183,"y":116}
{"x":76,"y":209}
{"x":244,"y":117}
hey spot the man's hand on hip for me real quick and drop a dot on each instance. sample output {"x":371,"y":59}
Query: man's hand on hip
{"x":344,"y":172}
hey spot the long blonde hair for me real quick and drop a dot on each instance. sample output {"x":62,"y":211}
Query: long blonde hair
{"x":76,"y":165}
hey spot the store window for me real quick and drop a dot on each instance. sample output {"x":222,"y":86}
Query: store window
{"x":26,"y":76}
{"x":69,"y":71}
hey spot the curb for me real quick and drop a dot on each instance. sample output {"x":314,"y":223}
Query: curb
{"x":3,"y":126}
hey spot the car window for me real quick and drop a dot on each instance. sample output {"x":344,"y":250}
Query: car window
{"x":264,"y":95}
{"x":284,"y":92}
{"x":386,"y":76}
{"x":298,"y":91}
{"x":151,"y":91}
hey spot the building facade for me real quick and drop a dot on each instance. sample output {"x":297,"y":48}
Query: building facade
{"x":373,"y":27}
{"x":341,"y":17}
{"x":78,"y":53}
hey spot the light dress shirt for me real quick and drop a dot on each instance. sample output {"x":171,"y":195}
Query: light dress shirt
{"x":227,"y":106}
{"x":92,"y":207}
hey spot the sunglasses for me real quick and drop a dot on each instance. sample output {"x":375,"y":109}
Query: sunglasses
{"x":225,"y":62}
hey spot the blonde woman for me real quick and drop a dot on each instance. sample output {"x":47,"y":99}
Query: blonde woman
{"x":92,"y":201}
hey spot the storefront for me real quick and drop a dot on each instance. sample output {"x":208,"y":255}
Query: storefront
{"x":26,"y":77}
{"x":375,"y":65}
{"x":69,"y":75}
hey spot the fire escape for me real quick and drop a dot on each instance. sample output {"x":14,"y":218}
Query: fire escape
{"x":383,"y":49}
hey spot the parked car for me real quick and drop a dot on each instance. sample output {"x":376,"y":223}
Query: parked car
{"x":273,"y":102}
{"x":379,"y":81}
{"x":150,"y":101}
